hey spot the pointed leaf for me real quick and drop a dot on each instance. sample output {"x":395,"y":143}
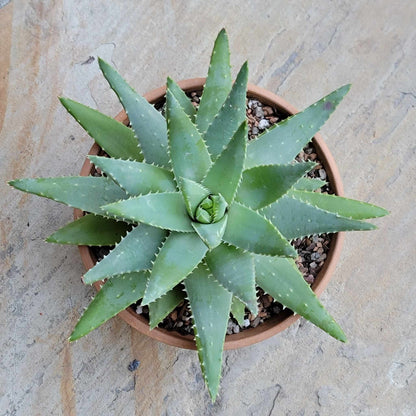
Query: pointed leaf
{"x":234,"y":269}
{"x":193,"y":193}
{"x":182,"y":98}
{"x":116,"y":295}
{"x":250,"y":231}
{"x":116,"y":139}
{"x":282,"y":143}
{"x":238,"y":310}
{"x":281,"y":279}
{"x":309,"y":184}
{"x":135,"y":177}
{"x":218,"y":83}
{"x":189,"y":154}
{"x":225,"y":174}
{"x":210,"y":305}
{"x":229,"y":117}
{"x":349,"y":208}
{"x":165,"y":210}
{"x":160,"y":308}
{"x":135,"y":252}
{"x":90,"y":230}
{"x":87,"y":193}
{"x":294,"y":218}
{"x":211,"y":209}
{"x":262,"y":185}
{"x":211,"y":234}
{"x":180,"y":254}
{"x":147,"y":123}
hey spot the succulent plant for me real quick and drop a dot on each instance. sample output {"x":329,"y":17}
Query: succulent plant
{"x":195,"y":210}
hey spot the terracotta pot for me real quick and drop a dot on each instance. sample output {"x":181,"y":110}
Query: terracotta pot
{"x":272,"y":325}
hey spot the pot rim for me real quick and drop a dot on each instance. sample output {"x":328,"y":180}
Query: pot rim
{"x":284,"y":319}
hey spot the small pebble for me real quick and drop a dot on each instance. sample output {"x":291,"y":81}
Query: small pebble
{"x":309,"y":278}
{"x":255,"y":322}
{"x":230,"y":327}
{"x":315,"y":256}
{"x":139,"y":310}
{"x":264,"y":124}
{"x":266,"y":300}
{"x":276,"y":309}
{"x":259,"y":112}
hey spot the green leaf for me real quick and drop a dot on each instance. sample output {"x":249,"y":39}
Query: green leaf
{"x":165,"y":210}
{"x":160,"y":308}
{"x":147,"y":123}
{"x":193,"y":193}
{"x":180,"y":254}
{"x":295,"y":219}
{"x":211,"y":209}
{"x":225,"y":174}
{"x":262,"y":185}
{"x":90,"y":230}
{"x":309,"y":184}
{"x":135,"y":252}
{"x":210,"y":304}
{"x":182,"y":98}
{"x":250,"y":231}
{"x":282,"y":143}
{"x":116,"y":295}
{"x":189,"y":154}
{"x":135,"y":177}
{"x":345,"y":207}
{"x":229,"y":117}
{"x":218,"y":83}
{"x":234,"y":269}
{"x":281,"y":279}
{"x":116,"y":139}
{"x":238,"y":310}
{"x":211,"y":234}
{"x":87,"y":193}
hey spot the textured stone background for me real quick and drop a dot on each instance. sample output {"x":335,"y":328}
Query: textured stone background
{"x":300,"y":50}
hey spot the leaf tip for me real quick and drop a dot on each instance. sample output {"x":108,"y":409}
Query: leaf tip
{"x":344,"y":90}
{"x":222,"y":32}
{"x":74,"y":336}
{"x":17,"y":184}
{"x":101,"y":62}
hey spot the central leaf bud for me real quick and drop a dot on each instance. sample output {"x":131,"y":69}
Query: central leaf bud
{"x":211,"y":209}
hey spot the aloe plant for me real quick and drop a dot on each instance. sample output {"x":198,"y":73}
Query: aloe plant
{"x":195,"y":210}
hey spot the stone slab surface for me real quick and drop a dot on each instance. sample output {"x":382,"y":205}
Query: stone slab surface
{"x":300,"y":50}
